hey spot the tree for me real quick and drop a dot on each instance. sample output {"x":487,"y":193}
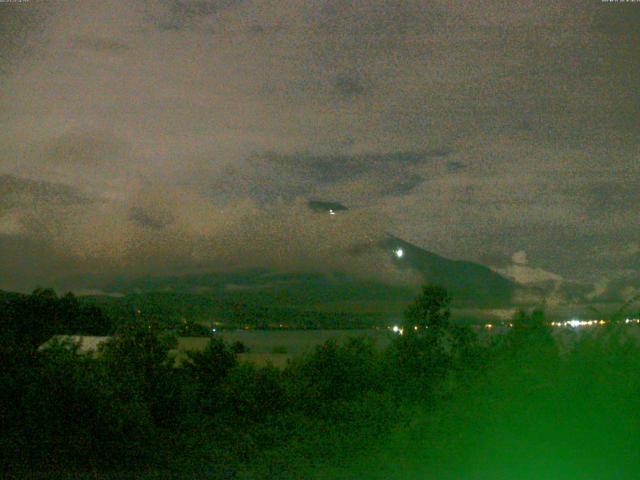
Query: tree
{"x":213,"y":363}
{"x":239,"y":347}
{"x":431,"y":309}
{"x":254,"y":393}
{"x":208,"y":369}
{"x":531,"y":337}
{"x":423,"y":355}
{"x":337,"y":373}
{"x":141,"y":348}
{"x":138,"y":359}
{"x":531,"y":327}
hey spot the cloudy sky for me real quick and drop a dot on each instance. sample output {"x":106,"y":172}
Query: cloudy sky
{"x":168,"y":136}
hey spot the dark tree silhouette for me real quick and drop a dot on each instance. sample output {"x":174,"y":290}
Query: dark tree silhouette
{"x":208,"y":369}
{"x":431,"y":309}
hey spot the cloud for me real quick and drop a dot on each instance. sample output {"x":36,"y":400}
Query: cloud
{"x":455,"y":166}
{"x":85,"y":149}
{"x":101,"y":45}
{"x":159,"y":232}
{"x":616,"y":194}
{"x":520,"y":271}
{"x":363,"y":175}
{"x":519,"y":257}
{"x":599,"y":288}
{"x":331,"y":168}
{"x":319,"y":206}
{"x":180,"y":14}
{"x":624,"y":251}
{"x":146,"y":219}
{"x":529,"y":275}
{"x":629,"y":293}
{"x":139,"y":130}
{"x":17,"y":192}
{"x":10,"y":224}
{"x":348,"y":86}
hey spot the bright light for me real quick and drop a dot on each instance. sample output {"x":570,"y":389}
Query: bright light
{"x":399,"y":253}
{"x":397,"y":329}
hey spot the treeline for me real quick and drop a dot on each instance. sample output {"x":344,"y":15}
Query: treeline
{"x":33,"y":319}
{"x":129,"y":408}
{"x":171,"y":308}
{"x":130,"y":412}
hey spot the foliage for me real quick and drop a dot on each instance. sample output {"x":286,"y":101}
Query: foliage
{"x":434,"y":390}
{"x":338,"y":373}
{"x":530,"y":333}
{"x":32,"y":319}
{"x":207,"y":369}
{"x":239,"y":347}
{"x":431,"y":309}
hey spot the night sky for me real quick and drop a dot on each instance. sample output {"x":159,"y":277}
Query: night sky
{"x":166,"y":137}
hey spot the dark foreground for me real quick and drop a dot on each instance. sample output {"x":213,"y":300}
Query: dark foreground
{"x":436,"y":403}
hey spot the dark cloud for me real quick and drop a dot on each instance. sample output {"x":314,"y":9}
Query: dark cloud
{"x":20,"y":27}
{"x":400,"y":183}
{"x":178,"y":14}
{"x":621,"y":20}
{"x":199,"y":8}
{"x":148,"y":219}
{"x":21,"y":192}
{"x":348,"y":86}
{"x":609,"y":197}
{"x":360,"y":177}
{"x":85,"y":148}
{"x":101,"y":45}
{"x":375,"y":17}
{"x":454,"y":166}
{"x":319,"y":206}
{"x":361,"y":248}
{"x":333,"y":168}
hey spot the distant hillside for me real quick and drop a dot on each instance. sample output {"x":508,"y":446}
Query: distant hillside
{"x":469,"y":283}
{"x":264,"y":297}
{"x":260,"y":297}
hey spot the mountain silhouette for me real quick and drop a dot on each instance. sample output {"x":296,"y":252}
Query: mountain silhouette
{"x":468,"y":283}
{"x":270,"y":296}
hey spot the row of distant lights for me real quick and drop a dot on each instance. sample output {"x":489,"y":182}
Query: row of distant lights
{"x":400,"y":330}
{"x":573,"y":323}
